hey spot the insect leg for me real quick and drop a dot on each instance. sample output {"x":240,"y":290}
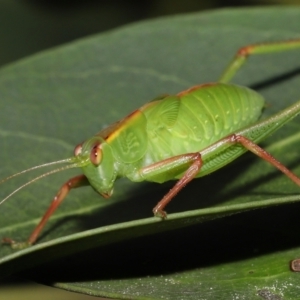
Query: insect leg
{"x":264,"y":48}
{"x":193,"y":164}
{"x":72,"y":183}
{"x":254,"y":148}
{"x":191,"y":161}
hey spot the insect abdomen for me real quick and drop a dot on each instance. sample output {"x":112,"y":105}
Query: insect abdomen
{"x":198,"y":117}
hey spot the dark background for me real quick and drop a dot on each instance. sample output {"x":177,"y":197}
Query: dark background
{"x":29,"y":26}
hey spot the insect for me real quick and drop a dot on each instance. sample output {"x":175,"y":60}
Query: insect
{"x":183,"y":136}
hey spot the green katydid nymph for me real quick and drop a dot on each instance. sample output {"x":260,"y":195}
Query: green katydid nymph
{"x":183,"y":136}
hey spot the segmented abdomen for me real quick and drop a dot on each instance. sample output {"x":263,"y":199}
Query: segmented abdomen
{"x":198,"y":117}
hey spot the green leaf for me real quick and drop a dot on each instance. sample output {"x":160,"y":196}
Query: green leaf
{"x":115,"y":248}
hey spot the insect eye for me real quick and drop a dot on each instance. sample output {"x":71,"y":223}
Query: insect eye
{"x":96,"y":155}
{"x":77,"y":150}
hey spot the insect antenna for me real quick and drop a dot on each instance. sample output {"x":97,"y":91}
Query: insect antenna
{"x":36,"y":167}
{"x":74,"y":165}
